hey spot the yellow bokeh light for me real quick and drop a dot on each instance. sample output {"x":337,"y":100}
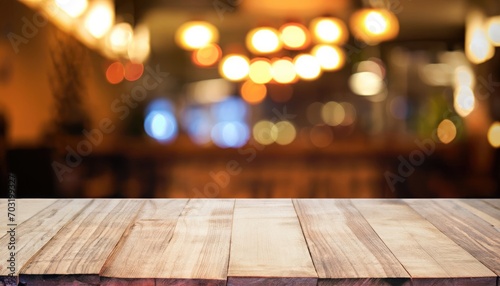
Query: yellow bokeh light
{"x":283,"y":71}
{"x":329,"y":30}
{"x":478,"y":48}
{"x":139,"y":48}
{"x":333,"y":113}
{"x":263,"y":40}
{"x":330,"y":58}
{"x":374,"y":25}
{"x":252,"y":92}
{"x":446,"y":131}
{"x":262,"y":132}
{"x":307,"y":67}
{"x":207,"y":56}
{"x":494,"y":134}
{"x":195,"y":35}
{"x":99,"y":18}
{"x":463,"y":75}
{"x":119,"y":38}
{"x":294,"y":36}
{"x":463,"y":100}
{"x":366,"y":83}
{"x":493,"y":30}
{"x":260,"y":71}
{"x":74,"y":8}
{"x":234,"y":67}
{"x":283,"y":132}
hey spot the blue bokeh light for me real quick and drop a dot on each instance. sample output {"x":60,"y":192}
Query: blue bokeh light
{"x":160,"y":122}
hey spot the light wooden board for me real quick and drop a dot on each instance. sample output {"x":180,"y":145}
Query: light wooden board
{"x":465,"y":228}
{"x":427,"y":254}
{"x":267,"y":245}
{"x":136,"y":257}
{"x":197,"y":252}
{"x":344,"y":247}
{"x":25,"y":209}
{"x":482,"y":209}
{"x":32,"y":234}
{"x":78,"y":251}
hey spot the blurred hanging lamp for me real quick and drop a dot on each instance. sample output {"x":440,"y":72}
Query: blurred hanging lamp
{"x":478,"y":48}
{"x":263,"y":40}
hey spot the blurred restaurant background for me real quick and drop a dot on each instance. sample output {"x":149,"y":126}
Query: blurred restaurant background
{"x":247,"y":98}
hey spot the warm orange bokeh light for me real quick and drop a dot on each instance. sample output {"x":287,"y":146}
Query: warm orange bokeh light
{"x":115,"y":73}
{"x":252,"y":92}
{"x":133,"y":71}
{"x":260,"y":71}
{"x":207,"y":56}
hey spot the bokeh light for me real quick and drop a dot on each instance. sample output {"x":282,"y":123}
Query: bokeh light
{"x":463,"y":100}
{"x":494,"y":134}
{"x":120,"y":37}
{"x":330,"y":58}
{"x":294,"y":36}
{"x":73,"y":8}
{"x":478,"y":48}
{"x":207,"y":55}
{"x":262,"y":132}
{"x":198,"y":124}
{"x":307,"y":67}
{"x":374,"y":25}
{"x":234,"y":67}
{"x":333,"y":113}
{"x":260,"y":71}
{"x":252,"y":92}
{"x":230,"y":109}
{"x":230,"y":134}
{"x":139,"y":48}
{"x":283,"y":132}
{"x":133,"y":71}
{"x":160,"y":123}
{"x":493,"y":30}
{"x":115,"y":73}
{"x":446,"y":131}
{"x":196,"y":34}
{"x":99,"y":18}
{"x":463,"y":75}
{"x":283,"y":71}
{"x":329,"y":30}
{"x":366,"y":83}
{"x":263,"y":40}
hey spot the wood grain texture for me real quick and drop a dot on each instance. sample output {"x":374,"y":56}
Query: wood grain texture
{"x":344,"y":245}
{"x":197,"y":252}
{"x":25,"y":209}
{"x":33,"y":233}
{"x":82,"y":246}
{"x":466,"y":229}
{"x":424,"y":251}
{"x":267,"y":245}
{"x":482,"y":209}
{"x":138,"y":254}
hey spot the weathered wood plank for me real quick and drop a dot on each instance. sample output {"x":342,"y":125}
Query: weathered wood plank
{"x":482,"y":209}
{"x":25,"y":209}
{"x":464,"y":228}
{"x":78,"y":251}
{"x":344,"y":247}
{"x":193,"y":251}
{"x":136,"y":258}
{"x":33,"y":233}
{"x":425,"y":252}
{"x":267,"y":245}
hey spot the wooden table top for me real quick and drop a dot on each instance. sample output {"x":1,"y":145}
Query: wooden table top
{"x":252,"y":242}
